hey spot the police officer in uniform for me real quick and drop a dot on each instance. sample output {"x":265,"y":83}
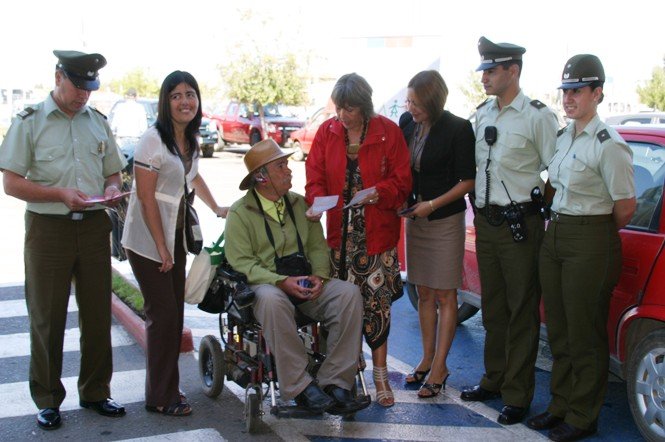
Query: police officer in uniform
{"x":56,"y":156}
{"x":580,"y":260}
{"x":515,"y":138}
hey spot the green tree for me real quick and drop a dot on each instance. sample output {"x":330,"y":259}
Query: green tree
{"x":473,"y":91}
{"x":265,"y":79}
{"x":145,"y":85}
{"x":653,"y":92}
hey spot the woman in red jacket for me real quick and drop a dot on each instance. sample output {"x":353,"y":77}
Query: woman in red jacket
{"x":359,"y":150}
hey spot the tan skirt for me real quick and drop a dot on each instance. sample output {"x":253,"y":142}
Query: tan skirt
{"x":435,"y":251}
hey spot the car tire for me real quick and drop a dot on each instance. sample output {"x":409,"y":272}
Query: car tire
{"x":298,"y":154}
{"x":207,"y":150}
{"x":254,"y":138}
{"x":464,"y":309}
{"x":645,"y":387}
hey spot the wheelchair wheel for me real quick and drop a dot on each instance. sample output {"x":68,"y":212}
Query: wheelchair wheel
{"x":252,"y":413}
{"x":211,"y":366}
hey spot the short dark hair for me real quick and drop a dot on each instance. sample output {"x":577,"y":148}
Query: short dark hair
{"x":518,"y":63}
{"x":352,"y":90}
{"x":432,"y":92}
{"x":164,"y":122}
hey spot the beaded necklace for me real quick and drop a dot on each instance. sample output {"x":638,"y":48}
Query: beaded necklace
{"x":353,"y":149}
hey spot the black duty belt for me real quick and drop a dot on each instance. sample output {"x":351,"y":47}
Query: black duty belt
{"x":494,"y":211}
{"x":561,"y":218}
{"x":71,"y":216}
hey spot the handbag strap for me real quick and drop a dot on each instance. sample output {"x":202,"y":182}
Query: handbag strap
{"x":287,"y":203}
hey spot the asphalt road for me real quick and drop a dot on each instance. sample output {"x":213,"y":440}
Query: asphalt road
{"x":444,"y":418}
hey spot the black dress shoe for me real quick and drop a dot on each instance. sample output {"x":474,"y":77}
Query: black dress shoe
{"x":105,"y":407}
{"x":49,"y":418}
{"x":344,"y":402}
{"x":478,"y":393}
{"x":544,"y":421}
{"x":566,"y":432}
{"x":314,"y":399}
{"x":512,"y":415}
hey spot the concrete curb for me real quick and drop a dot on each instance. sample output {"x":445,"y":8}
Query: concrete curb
{"x":135,"y":326}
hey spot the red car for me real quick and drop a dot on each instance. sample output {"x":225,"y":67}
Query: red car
{"x":301,"y":139}
{"x":636,"y":324}
{"x":241,"y":124}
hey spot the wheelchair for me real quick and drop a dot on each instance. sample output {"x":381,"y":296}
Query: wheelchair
{"x":246,"y":358}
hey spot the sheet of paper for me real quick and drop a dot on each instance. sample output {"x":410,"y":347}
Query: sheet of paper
{"x":102,"y":199}
{"x":323,"y":203}
{"x":359,"y":196}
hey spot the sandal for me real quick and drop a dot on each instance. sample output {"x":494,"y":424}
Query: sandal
{"x":183,"y":398}
{"x":384,"y":396}
{"x":432,"y":390}
{"x":179,"y":409}
{"x":416,"y":376}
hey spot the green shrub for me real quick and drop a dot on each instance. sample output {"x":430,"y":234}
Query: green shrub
{"x":128,"y":293}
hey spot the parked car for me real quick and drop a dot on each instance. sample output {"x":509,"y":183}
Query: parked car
{"x":637,"y":118}
{"x":301,"y":140}
{"x":241,"y":124}
{"x":208,"y":137}
{"x":636,"y":324}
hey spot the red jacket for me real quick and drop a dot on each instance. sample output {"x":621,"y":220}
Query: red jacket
{"x":383,"y":162}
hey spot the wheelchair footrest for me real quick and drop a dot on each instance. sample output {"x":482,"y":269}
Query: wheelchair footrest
{"x":291,"y":411}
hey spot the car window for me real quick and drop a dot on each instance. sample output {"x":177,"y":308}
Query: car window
{"x":637,"y":120}
{"x":649,"y":169}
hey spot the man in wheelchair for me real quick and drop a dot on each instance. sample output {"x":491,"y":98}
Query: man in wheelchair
{"x":285,"y":259}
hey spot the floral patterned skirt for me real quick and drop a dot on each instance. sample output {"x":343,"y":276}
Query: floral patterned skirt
{"x":378,"y":277}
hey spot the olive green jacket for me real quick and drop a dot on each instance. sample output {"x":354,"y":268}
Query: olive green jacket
{"x":249,"y":251}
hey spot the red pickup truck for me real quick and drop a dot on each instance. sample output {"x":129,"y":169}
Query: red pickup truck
{"x":241,"y":124}
{"x":636,"y":324}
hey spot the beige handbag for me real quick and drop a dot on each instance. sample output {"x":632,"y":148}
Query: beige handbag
{"x":202,"y":271}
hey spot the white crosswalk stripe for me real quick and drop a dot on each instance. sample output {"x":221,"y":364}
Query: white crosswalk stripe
{"x":16,"y":308}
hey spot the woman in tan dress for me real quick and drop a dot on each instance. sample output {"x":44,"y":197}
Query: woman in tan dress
{"x":443,"y":166}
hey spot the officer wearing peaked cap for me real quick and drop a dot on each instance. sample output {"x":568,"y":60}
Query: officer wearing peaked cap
{"x":591,"y":174}
{"x":493,"y":54}
{"x":81,"y":69}
{"x":57,"y":155}
{"x":515,"y":139}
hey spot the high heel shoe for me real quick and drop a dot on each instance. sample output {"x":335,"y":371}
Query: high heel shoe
{"x":432,"y":390}
{"x":416,"y":377}
{"x":384,"y":395}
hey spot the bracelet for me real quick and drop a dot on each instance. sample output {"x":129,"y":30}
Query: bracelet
{"x":431,"y":206}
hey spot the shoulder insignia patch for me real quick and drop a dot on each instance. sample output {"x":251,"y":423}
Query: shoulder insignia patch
{"x":25,"y":113}
{"x":483,"y":103}
{"x":97,"y":110}
{"x":537,"y":104}
{"x":561,"y":131}
{"x":603,"y":135}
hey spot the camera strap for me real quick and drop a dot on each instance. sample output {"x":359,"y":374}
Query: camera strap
{"x":289,"y":209}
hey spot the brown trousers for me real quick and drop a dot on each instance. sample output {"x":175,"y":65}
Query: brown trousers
{"x":340,"y":310}
{"x":164,"y":306}
{"x":57,"y":251}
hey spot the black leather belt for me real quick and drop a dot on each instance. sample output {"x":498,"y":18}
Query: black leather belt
{"x":495,"y":211}
{"x":561,"y":218}
{"x":71,"y":216}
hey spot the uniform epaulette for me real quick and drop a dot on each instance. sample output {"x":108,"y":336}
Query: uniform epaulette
{"x":603,"y":135}
{"x":25,"y":113}
{"x":483,"y":103}
{"x":537,"y":104}
{"x":561,"y":131}
{"x":97,"y":110}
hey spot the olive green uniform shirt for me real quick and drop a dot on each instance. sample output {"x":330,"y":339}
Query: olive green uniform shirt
{"x":51,"y":149}
{"x":591,"y":170}
{"x":526,"y":136}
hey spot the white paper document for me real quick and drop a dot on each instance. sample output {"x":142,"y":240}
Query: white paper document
{"x":359,"y":196}
{"x":323,"y":203}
